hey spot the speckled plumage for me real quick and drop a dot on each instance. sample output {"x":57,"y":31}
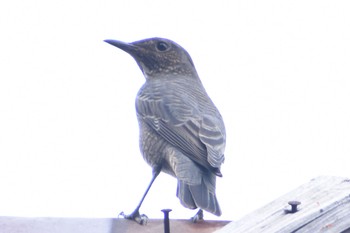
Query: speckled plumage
{"x":181,"y":131}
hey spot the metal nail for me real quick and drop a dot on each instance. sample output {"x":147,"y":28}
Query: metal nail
{"x":294,"y":206}
{"x":166,"y":220}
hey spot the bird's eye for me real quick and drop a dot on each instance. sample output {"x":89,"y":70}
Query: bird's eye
{"x":162,"y":46}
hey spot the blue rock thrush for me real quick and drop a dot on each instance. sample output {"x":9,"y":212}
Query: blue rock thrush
{"x":181,"y":131}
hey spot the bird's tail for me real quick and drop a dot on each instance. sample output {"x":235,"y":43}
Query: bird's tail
{"x":199,"y":195}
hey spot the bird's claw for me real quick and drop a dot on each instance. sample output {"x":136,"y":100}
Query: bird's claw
{"x":141,"y":219}
{"x":198,"y":216}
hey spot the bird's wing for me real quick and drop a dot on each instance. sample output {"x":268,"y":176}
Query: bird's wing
{"x":175,"y":116}
{"x":212,"y":134}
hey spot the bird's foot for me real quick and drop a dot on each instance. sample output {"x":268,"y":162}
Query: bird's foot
{"x":198,"y":216}
{"x":141,"y":219}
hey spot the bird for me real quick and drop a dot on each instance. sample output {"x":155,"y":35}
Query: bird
{"x":182,"y":133}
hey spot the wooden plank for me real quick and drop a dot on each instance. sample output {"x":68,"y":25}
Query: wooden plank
{"x":325,"y":207}
{"x":102,"y":225}
{"x":176,"y":226}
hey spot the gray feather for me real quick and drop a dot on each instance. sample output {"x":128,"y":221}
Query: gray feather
{"x":180,"y":111}
{"x":181,"y":131}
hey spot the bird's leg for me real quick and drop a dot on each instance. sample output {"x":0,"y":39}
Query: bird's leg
{"x":135,"y":215}
{"x":198,"y":216}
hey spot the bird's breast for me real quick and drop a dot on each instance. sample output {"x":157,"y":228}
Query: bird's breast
{"x":152,"y":146}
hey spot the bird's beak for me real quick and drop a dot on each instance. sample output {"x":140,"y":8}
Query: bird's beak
{"x":129,"y":48}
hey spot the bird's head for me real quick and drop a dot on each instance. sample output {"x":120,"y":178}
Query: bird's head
{"x":158,"y":57}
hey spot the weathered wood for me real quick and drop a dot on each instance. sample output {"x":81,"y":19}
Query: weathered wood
{"x":102,"y":225}
{"x":325,"y":207}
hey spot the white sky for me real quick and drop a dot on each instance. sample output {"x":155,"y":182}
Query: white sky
{"x":277,"y":70}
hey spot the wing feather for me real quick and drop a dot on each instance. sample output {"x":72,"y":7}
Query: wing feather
{"x":185,"y":117}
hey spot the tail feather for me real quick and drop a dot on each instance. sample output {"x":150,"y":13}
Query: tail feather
{"x":198,"y":196}
{"x":196,"y":184}
{"x":185,"y":196}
